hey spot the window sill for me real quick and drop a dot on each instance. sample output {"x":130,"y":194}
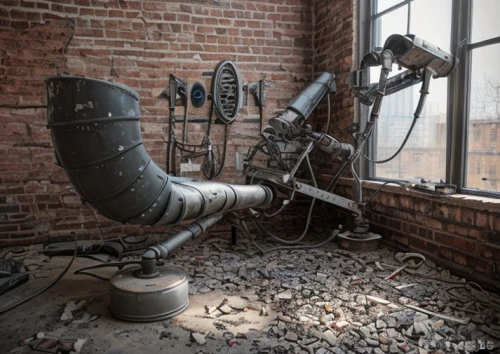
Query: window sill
{"x":461,"y":200}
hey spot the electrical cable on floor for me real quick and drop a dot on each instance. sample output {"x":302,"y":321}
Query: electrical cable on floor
{"x":295,"y":247}
{"x":298,"y":239}
{"x":246,"y":232}
{"x":119,"y":265}
{"x":308,"y":220}
{"x":46,"y":287}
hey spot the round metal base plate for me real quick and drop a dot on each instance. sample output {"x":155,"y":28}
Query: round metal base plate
{"x":145,"y":300}
{"x":366,"y":243}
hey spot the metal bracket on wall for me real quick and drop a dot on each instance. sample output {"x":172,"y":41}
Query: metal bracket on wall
{"x":327,"y":197}
{"x":258,"y":90}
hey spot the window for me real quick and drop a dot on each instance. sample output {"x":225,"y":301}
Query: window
{"x":476,"y":134}
{"x":429,"y":135}
{"x":482,"y":53}
{"x":469,"y":98}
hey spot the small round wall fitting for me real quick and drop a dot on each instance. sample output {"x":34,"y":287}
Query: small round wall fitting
{"x":146,"y":300}
{"x":198,"y":95}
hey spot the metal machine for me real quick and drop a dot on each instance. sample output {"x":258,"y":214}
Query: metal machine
{"x":289,"y":140}
{"x":96,"y":135}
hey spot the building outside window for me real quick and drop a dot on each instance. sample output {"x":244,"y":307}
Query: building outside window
{"x":493,"y":134}
{"x":460,"y":120}
{"x":476,"y":134}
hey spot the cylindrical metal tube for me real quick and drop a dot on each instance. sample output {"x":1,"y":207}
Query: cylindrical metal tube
{"x":97,"y":139}
{"x":301,"y":107}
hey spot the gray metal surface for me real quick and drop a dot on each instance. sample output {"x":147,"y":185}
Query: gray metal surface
{"x":327,"y":197}
{"x":289,"y":121}
{"x":227,"y":91}
{"x":96,"y":134}
{"x":145,"y":300}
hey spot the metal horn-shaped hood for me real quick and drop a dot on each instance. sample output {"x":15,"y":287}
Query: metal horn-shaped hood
{"x":97,"y":139}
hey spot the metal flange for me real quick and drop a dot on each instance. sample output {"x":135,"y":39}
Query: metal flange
{"x":367,"y":242}
{"x":148,"y":299}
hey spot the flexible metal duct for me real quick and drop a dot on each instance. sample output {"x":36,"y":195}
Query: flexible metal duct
{"x":97,"y":139}
{"x":289,"y":121}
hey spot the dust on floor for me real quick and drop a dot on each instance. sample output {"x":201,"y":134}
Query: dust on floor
{"x":290,"y":301}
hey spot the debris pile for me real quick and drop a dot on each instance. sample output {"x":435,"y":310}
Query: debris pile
{"x":315,"y":301}
{"x":333,"y":301}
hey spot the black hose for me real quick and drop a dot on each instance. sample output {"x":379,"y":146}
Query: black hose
{"x":119,"y":265}
{"x":400,"y":148}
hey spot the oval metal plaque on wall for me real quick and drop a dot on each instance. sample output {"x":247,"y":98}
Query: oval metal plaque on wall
{"x":226,"y":91}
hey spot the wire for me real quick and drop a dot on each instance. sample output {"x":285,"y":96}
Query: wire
{"x":382,"y":186}
{"x":309,"y":216}
{"x":311,"y":171}
{"x":329,"y":115}
{"x":46,"y":287}
{"x":120,"y":265}
{"x":400,"y":148}
{"x":246,"y":232}
{"x":294,"y":247}
{"x":351,"y":160}
{"x":223,"y":161}
{"x":289,"y":242}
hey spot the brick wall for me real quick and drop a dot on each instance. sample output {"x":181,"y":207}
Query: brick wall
{"x":333,"y":52}
{"x":140,"y":44}
{"x":136,"y":43}
{"x":460,"y":232}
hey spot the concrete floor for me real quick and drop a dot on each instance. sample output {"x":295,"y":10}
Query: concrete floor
{"x":287,"y":285}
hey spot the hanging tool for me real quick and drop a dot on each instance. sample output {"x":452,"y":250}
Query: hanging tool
{"x":176,"y":87}
{"x":258,"y":90}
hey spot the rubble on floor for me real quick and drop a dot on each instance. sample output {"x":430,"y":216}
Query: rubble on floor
{"x":316,"y":301}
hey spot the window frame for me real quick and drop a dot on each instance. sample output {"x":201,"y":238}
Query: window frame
{"x":457,"y":120}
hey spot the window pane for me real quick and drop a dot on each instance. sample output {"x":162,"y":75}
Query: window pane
{"x":436,"y":28}
{"x":424,"y":155}
{"x":485,"y":23}
{"x":484,"y":120}
{"x":383,"y":5}
{"x":395,"y":22}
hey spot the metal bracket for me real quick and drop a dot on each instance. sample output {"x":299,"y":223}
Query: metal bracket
{"x":327,"y":197}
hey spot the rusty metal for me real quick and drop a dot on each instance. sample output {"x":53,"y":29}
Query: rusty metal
{"x":369,"y":242}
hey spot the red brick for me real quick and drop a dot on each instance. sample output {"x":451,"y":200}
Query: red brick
{"x":464,"y":244}
{"x":116,"y":13}
{"x":444,"y":239}
{"x":488,"y":251}
{"x":168,"y":16}
{"x":482,"y":220}
{"x":467,"y":216}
